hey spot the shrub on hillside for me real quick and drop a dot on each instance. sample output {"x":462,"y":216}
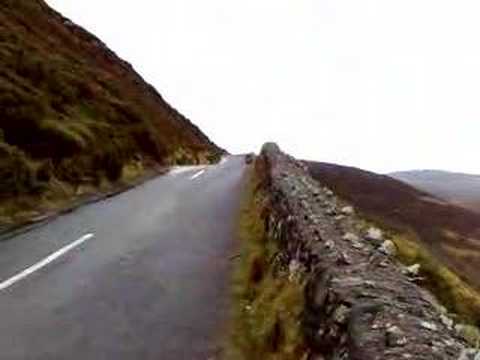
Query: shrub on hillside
{"x":31,"y":67}
{"x":66,"y":139}
{"x":16,"y":172}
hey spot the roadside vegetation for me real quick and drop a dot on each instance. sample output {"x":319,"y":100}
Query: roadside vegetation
{"x":266,"y":322}
{"x":73,"y":116}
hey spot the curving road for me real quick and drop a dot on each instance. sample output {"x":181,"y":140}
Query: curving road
{"x":143,"y":275}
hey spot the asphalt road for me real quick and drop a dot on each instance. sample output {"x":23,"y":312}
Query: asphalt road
{"x":147,"y":279}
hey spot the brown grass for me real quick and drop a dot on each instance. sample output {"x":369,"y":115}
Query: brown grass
{"x":267,"y":305}
{"x":72,"y":111}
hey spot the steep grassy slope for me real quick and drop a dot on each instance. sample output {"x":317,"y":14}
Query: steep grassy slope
{"x":450,"y":232}
{"x":73,"y":113}
{"x":457,"y":188}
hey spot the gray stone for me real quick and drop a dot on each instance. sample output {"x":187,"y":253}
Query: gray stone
{"x":412,"y":270}
{"x":357,"y":245}
{"x":446,"y":321}
{"x":329,"y":244}
{"x":388,"y":248}
{"x":395,"y":337}
{"x":383,"y":264}
{"x":328,"y":192}
{"x":270,"y":148}
{"x":341,"y":314}
{"x":354,"y":240}
{"x":347,"y":210}
{"x":351,"y":237}
{"x":349,"y":281}
{"x":374,"y":234}
{"x":344,"y":259}
{"x":429,"y":326}
{"x":331,"y":212}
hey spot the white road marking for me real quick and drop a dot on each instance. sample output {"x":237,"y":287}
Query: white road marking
{"x":200,"y":173}
{"x":7,"y":283}
{"x":224,"y":160}
{"x":181,"y":169}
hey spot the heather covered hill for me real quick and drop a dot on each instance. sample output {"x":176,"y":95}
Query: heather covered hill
{"x":458,"y":188}
{"x":450,"y":232}
{"x":72,"y":114}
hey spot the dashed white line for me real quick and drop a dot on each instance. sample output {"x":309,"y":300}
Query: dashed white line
{"x":200,"y":173}
{"x":181,"y":169}
{"x":224,"y":160}
{"x":30,"y":270}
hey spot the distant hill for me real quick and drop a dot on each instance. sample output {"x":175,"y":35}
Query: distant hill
{"x":458,"y":188}
{"x":73,"y":114}
{"x":451,"y":232}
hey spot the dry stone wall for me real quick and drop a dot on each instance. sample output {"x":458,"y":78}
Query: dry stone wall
{"x":361,"y":303}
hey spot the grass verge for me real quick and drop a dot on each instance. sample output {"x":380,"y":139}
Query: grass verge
{"x":267,"y":303}
{"x":60,"y":196}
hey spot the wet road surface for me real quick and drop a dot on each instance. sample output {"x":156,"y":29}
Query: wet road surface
{"x":143,"y":275}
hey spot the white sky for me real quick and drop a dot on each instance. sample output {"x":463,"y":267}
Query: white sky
{"x":380,"y":84}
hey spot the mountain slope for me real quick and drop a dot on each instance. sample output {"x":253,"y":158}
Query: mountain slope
{"x":458,"y":188}
{"x":73,"y":113}
{"x":451,"y":232}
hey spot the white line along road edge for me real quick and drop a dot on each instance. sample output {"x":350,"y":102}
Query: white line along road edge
{"x":7,"y":283}
{"x":200,"y":173}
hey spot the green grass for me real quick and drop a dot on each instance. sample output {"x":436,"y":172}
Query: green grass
{"x":267,"y":312}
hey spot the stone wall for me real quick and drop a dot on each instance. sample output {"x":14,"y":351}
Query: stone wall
{"x":360,"y":302}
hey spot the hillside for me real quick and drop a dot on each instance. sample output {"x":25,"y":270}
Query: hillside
{"x":461,"y":189}
{"x":73,"y":116}
{"x":451,"y":232}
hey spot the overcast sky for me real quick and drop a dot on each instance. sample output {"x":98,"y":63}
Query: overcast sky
{"x":380,"y":84}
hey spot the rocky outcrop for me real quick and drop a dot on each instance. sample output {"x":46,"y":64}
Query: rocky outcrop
{"x":360,"y":303}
